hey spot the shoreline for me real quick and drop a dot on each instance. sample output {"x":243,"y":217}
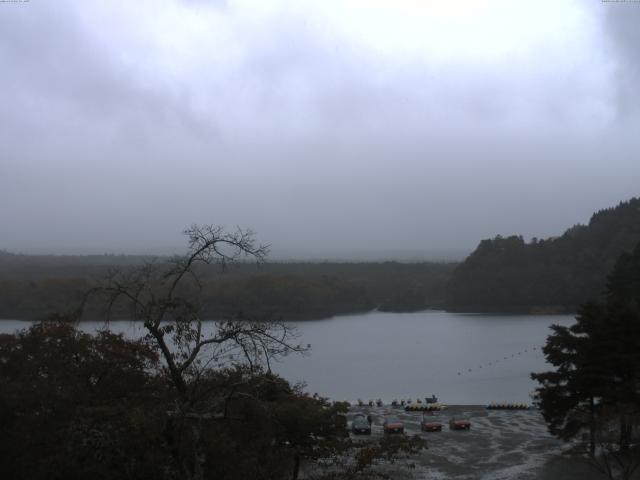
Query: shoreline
{"x":537,"y":311}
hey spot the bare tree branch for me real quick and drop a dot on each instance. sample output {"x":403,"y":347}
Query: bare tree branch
{"x":173,"y":322}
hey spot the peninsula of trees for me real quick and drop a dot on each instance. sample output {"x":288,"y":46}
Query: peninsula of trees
{"x":546,"y":275}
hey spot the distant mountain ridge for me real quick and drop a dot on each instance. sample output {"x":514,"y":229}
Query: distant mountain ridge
{"x":548,"y":275}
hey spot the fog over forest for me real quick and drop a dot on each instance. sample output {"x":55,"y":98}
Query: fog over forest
{"x":334,"y":129}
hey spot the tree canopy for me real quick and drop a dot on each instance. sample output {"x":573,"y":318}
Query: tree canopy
{"x":74,"y":405}
{"x":509,"y":273}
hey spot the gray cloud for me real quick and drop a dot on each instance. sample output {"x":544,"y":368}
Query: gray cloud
{"x":621,"y":21}
{"x":120,"y":129}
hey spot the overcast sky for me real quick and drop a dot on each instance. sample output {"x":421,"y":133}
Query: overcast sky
{"x":333,"y":128}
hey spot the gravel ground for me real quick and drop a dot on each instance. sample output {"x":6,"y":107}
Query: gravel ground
{"x":501,"y":445}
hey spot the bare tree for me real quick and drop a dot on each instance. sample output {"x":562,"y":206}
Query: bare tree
{"x":164,"y":296}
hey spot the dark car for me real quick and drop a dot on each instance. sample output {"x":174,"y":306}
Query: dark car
{"x":459,"y":424}
{"x":392,"y":424}
{"x":360,"y":425}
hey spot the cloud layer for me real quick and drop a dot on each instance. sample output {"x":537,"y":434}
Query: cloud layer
{"x":332,"y":128}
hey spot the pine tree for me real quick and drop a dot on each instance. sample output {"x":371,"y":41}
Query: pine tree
{"x":597,"y":362}
{"x":568,"y":394}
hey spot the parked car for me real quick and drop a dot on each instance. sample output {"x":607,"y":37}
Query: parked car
{"x":360,"y":425}
{"x":429,"y":426}
{"x":459,"y":424}
{"x":392,"y":424}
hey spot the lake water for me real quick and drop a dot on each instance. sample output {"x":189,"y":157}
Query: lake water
{"x":461,"y":358}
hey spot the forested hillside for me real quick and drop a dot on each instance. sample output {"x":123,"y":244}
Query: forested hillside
{"x":554,"y":274}
{"x":502,"y":274}
{"x":31,"y":287}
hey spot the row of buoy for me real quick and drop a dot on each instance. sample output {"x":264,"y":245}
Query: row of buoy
{"x":421,"y":407}
{"x":398,"y":403}
{"x":494,"y":362}
{"x":428,"y":400}
{"x":508,"y":406}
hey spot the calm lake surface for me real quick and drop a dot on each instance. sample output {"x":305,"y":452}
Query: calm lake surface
{"x":461,"y":358}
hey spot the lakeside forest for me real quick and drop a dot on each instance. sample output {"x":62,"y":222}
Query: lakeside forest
{"x":506,"y":273}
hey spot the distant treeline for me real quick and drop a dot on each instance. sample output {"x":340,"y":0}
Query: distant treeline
{"x":31,"y":287}
{"x":546,"y":275}
{"x":503,"y":274}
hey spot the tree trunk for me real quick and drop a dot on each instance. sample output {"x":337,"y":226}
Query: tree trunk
{"x":296,"y":466}
{"x":592,"y":427}
{"x":625,"y":433}
{"x":198,"y":456}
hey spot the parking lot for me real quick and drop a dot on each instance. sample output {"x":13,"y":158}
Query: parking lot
{"x":502,"y":444}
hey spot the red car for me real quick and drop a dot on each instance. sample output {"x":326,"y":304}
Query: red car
{"x":459,"y":424}
{"x":392,"y":424}
{"x":427,"y":426}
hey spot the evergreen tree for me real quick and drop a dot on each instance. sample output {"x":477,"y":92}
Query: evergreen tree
{"x":597,"y":362}
{"x":568,"y":394}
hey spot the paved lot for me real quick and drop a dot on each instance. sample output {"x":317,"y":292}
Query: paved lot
{"x":502,"y":444}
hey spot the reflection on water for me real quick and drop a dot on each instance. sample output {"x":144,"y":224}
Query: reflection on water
{"x":461,"y":358}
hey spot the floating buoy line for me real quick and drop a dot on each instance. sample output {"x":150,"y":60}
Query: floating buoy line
{"x":508,"y":406}
{"x":429,"y":405}
{"x":500,"y":360}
